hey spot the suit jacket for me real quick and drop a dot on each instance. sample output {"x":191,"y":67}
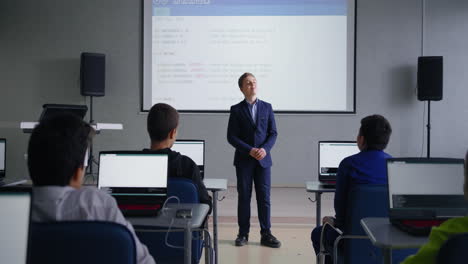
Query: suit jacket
{"x":243,"y":134}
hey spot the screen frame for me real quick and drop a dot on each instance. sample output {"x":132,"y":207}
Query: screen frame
{"x":146,"y":9}
{"x":131,"y":152}
{"x":195,"y":140}
{"x":417,"y":160}
{"x":320,"y":175}
{"x":201,"y":168}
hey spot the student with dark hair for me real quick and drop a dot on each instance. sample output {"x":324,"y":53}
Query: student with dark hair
{"x":57,"y":159}
{"x":162,"y":124}
{"x":427,"y":254}
{"x":366,"y":167}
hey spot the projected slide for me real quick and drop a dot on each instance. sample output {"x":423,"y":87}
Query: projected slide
{"x":301,"y":52}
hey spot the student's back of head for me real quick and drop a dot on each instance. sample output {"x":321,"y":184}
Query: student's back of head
{"x":162,"y":120}
{"x":376,"y":131}
{"x":57,"y":149}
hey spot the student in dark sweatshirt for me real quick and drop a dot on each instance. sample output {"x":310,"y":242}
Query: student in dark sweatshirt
{"x":162,"y":124}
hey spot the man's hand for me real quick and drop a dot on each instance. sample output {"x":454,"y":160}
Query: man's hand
{"x":329,"y":219}
{"x":258,"y":153}
{"x":262,"y":153}
{"x":254,"y":152}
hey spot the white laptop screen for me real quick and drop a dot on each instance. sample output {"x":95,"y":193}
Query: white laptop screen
{"x":2,"y":155}
{"x":193,"y":149}
{"x":14,"y":229}
{"x":332,"y":153}
{"x":425,"y":183}
{"x":133,"y":170}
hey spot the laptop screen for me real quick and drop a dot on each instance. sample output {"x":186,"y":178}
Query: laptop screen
{"x":425,"y":183}
{"x":14,"y":230}
{"x":133,"y":173}
{"x":194,"y":149}
{"x":2,"y":157}
{"x":331,"y":153}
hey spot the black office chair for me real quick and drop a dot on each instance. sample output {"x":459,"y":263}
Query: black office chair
{"x":454,"y":250}
{"x":78,"y":242}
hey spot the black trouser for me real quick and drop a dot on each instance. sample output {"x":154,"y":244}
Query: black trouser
{"x":248,"y":174}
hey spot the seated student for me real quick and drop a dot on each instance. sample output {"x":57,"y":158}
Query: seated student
{"x":366,"y":167}
{"x":57,"y":163}
{"x":427,"y":254}
{"x":162,"y":124}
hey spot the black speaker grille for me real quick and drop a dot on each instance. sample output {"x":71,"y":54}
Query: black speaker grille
{"x":430,"y":78}
{"x":93,"y":74}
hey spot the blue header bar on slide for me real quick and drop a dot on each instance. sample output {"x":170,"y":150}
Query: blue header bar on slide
{"x":249,"y":7}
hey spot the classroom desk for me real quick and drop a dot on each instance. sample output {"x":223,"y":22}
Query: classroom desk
{"x":317,"y":188}
{"x":215,"y":186}
{"x":167,"y":218}
{"x":387,"y":237}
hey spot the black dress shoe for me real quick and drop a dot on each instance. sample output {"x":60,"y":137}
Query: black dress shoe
{"x":269,"y":240}
{"x":242,"y":240}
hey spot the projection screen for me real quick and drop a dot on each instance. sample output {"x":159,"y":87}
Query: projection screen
{"x":302,"y":54}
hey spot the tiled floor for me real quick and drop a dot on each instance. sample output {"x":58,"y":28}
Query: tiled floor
{"x":293,"y":218}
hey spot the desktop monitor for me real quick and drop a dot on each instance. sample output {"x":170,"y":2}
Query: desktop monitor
{"x":430,"y":184}
{"x":50,"y":110}
{"x":330,"y":154}
{"x":14,"y":229}
{"x":133,"y":173}
{"x":2,"y":157}
{"x":194,"y":149}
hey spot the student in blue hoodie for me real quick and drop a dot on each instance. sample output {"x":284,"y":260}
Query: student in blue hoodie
{"x":366,"y":167}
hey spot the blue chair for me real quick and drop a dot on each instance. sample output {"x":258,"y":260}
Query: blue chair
{"x":454,"y":250}
{"x":364,"y":200}
{"x":77,"y":242}
{"x":187,"y":192}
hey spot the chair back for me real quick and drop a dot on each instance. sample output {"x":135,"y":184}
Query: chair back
{"x":184,"y":189}
{"x":367,"y":200}
{"x":187,"y":192}
{"x":364,"y":200}
{"x":454,"y":250}
{"x":77,"y":242}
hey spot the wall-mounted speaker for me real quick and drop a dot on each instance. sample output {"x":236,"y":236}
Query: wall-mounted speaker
{"x":92,"y":74}
{"x":430,"y":78}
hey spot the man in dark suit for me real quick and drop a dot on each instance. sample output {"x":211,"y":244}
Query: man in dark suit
{"x":252,"y":132}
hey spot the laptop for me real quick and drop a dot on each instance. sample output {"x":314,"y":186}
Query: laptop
{"x":194,"y":149}
{"x":424,"y":192}
{"x":15,"y":227}
{"x":136,"y":179}
{"x":330,"y":155}
{"x":3,"y":181}
{"x":50,"y":110}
